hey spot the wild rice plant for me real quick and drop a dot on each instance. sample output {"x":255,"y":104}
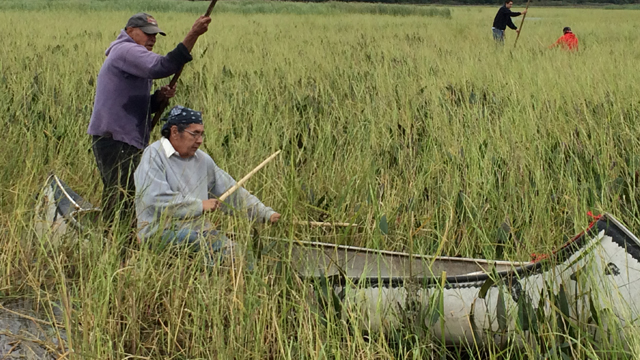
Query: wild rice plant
{"x":394,"y":123}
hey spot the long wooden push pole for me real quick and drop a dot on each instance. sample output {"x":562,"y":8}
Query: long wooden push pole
{"x":521,"y":24}
{"x":176,"y":76}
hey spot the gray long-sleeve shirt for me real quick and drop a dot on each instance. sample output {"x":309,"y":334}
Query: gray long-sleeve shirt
{"x":170,"y":190}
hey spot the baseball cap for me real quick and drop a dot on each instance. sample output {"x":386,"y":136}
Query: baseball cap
{"x":566,"y":29}
{"x":146,"y":23}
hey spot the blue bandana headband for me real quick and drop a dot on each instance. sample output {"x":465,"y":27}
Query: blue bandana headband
{"x":182,"y":115}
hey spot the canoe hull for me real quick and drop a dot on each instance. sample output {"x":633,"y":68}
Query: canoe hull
{"x":598,"y":270}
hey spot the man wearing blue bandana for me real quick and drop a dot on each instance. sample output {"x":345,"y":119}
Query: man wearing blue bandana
{"x":176,"y":183}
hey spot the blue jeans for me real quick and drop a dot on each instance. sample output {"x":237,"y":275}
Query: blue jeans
{"x":215,"y":245}
{"x":498,"y":35}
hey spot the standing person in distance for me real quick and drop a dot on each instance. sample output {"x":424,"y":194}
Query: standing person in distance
{"x":503,"y":19}
{"x":121,"y":120}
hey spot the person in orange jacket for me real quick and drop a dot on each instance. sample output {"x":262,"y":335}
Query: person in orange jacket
{"x":568,"y":41}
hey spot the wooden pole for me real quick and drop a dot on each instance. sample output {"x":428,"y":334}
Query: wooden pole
{"x":246,"y":178}
{"x":175,"y":77}
{"x":210,"y":8}
{"x":324,"y":224}
{"x":343,"y":224}
{"x":521,"y":24}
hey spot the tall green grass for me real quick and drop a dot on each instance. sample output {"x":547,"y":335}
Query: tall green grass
{"x":232,"y":6}
{"x":494,"y":152}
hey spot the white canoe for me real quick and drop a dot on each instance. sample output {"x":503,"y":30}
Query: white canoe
{"x":471,"y":300}
{"x":456,"y":299}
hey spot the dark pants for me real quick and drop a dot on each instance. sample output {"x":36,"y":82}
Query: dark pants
{"x":116,"y":162}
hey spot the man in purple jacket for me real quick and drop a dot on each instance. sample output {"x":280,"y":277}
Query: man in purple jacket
{"x":121,"y":119}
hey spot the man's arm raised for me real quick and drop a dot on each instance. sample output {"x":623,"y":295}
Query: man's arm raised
{"x":199,"y":27}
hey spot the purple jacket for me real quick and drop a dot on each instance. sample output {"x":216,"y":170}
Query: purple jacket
{"x":122,"y":105}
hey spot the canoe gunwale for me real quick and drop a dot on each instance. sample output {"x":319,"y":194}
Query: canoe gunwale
{"x":607,"y":223}
{"x":402,"y":254}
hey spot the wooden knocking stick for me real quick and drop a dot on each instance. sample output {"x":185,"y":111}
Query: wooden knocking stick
{"x":340,"y":224}
{"x":324,"y":224}
{"x":246,"y":178}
